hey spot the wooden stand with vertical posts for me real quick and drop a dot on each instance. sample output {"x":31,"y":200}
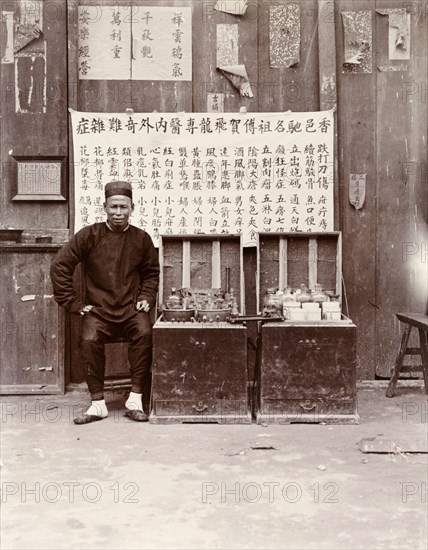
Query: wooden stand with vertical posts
{"x":420,"y":322}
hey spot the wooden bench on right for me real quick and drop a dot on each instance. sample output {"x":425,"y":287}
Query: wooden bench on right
{"x":419,"y":322}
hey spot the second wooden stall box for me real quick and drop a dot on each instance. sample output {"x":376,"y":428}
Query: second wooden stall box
{"x":307,"y":363}
{"x":199,"y":371}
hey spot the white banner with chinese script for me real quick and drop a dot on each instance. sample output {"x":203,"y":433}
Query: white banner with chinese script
{"x":134,"y":42}
{"x":206,"y":173}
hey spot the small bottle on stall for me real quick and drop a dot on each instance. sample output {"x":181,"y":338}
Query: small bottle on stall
{"x":318,"y":295}
{"x":173,"y":301}
{"x":288,"y":295}
{"x":288,"y":301}
{"x":231,"y":299}
{"x":235,"y":310}
{"x":304,"y":295}
{"x":270,"y":302}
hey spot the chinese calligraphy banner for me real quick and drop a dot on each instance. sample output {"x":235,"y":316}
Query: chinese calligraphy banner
{"x":208,"y":173}
{"x":104,"y":49}
{"x":138,"y":42}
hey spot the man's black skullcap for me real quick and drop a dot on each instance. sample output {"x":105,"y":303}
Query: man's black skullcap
{"x":118,"y":188}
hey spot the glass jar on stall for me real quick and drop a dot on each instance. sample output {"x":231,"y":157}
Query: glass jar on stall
{"x":318,"y":295}
{"x":288,"y":295}
{"x":173,"y":301}
{"x":271,"y":302}
{"x":304,"y":295}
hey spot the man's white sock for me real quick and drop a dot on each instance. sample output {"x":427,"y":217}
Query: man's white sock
{"x":98,"y":408}
{"x":134,"y":402}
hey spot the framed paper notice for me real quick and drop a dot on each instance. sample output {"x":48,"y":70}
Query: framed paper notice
{"x":39,"y":179}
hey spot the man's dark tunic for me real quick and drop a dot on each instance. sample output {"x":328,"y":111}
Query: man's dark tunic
{"x":121,"y":268}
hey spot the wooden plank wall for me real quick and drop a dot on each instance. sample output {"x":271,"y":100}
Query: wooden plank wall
{"x":33,"y":123}
{"x":381,"y":127}
{"x":356,"y":154}
{"x":31,"y":133}
{"x":402,"y":185}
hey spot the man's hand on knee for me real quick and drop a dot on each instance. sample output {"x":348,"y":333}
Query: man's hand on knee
{"x":86,"y":310}
{"x":143,"y":305}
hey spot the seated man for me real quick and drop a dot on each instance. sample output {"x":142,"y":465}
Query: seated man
{"x":121,"y":280}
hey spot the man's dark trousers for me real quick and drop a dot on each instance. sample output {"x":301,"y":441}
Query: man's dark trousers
{"x":97,"y":331}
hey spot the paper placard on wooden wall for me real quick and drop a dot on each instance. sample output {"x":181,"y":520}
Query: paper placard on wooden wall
{"x":209,"y":173}
{"x":284,"y":35}
{"x":30,"y":23}
{"x":39,"y":178}
{"x":162,"y":44}
{"x":237,"y":75}
{"x":30,"y":79}
{"x":215,"y":103}
{"x":357,"y":33}
{"x":357,"y":190}
{"x":161,"y":47}
{"x":398,"y":32}
{"x":235,"y":7}
{"x":104,"y":43}
{"x":227,"y":45}
{"x":6,"y":25}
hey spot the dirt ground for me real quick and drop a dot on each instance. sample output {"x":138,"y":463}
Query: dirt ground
{"x":117,"y":484}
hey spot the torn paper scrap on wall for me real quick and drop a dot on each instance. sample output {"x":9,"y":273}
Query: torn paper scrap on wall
{"x":25,"y":35}
{"x":357,"y":190}
{"x":28,"y":298}
{"x":30,"y":80}
{"x":398,"y":32}
{"x":30,"y":25}
{"x":227,"y":45}
{"x":357,"y":32}
{"x":6,"y":36}
{"x":284,"y":35}
{"x":235,"y":7}
{"x":392,"y":68}
{"x":237,"y":74}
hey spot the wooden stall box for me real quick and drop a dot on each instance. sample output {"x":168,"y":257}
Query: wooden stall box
{"x":32,"y":333}
{"x":307,"y":368}
{"x":199,"y":371}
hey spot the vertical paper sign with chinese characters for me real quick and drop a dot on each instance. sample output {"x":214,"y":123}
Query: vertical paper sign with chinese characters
{"x":209,"y":172}
{"x":104,"y":43}
{"x":357,"y":190}
{"x":215,"y":103}
{"x":162,"y":43}
{"x":138,"y":42}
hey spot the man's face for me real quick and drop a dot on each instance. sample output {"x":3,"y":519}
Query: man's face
{"x":118,"y":209}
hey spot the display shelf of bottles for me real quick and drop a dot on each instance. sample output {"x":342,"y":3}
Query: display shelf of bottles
{"x":307,"y":363}
{"x":300,"y":277}
{"x":201,"y":278}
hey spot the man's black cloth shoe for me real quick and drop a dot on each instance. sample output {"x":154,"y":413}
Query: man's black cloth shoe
{"x":87,"y":419}
{"x":138,"y":416}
